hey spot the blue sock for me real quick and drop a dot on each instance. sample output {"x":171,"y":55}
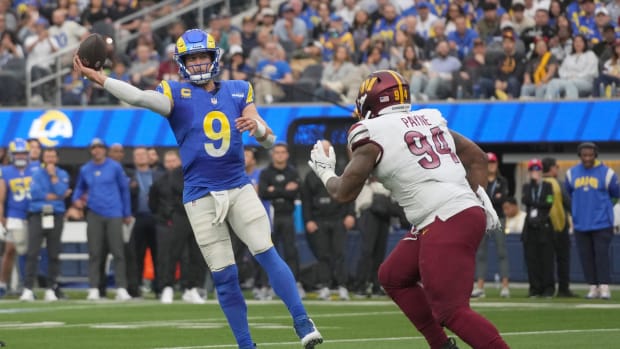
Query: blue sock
{"x":21,"y":266}
{"x":233,"y":304}
{"x":282,"y":282}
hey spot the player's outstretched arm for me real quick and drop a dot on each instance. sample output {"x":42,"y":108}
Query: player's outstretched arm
{"x":251,"y":121}
{"x":344,"y":188}
{"x":127,"y":93}
{"x":474,"y":160}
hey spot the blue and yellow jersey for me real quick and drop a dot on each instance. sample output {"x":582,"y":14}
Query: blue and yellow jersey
{"x":385,"y":29}
{"x":18,"y":190}
{"x":210,"y":145}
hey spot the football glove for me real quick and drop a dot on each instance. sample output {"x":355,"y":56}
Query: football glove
{"x":322,"y":164}
{"x":493,"y":222}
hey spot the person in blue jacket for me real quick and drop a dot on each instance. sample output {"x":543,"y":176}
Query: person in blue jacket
{"x":593,"y":188}
{"x":103,"y":187}
{"x":48,"y":190}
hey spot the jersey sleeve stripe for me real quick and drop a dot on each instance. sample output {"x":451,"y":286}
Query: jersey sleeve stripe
{"x":167,"y":91}
{"x":250,"y":97}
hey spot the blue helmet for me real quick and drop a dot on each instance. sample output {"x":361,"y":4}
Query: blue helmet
{"x":197,"y":41}
{"x":19,"y":146}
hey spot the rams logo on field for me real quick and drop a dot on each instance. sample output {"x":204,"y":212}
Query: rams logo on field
{"x":50,"y":127}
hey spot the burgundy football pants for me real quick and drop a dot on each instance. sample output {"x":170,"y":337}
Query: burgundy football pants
{"x":441,"y":257}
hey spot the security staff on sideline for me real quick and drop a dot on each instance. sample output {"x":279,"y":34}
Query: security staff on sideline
{"x":559,"y":215}
{"x":327,"y":223}
{"x":48,"y":190}
{"x":279,"y":183}
{"x":175,"y":234}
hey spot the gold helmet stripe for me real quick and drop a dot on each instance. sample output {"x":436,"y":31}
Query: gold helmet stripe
{"x":400,"y":85}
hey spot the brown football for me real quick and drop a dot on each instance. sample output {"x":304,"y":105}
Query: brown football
{"x":92,"y":51}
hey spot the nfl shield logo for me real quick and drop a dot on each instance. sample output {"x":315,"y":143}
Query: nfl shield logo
{"x":213,"y":100}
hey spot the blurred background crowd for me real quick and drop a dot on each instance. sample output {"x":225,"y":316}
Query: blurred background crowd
{"x":315,"y":50}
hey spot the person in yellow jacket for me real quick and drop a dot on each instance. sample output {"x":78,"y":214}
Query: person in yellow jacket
{"x":559,"y":215}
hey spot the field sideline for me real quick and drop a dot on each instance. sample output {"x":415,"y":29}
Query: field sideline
{"x":360,"y":324}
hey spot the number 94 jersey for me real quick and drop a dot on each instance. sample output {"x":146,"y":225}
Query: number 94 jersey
{"x":418,"y":163}
{"x":210,"y":145}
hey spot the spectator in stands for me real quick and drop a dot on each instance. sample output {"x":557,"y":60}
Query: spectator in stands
{"x":143,"y":71}
{"x":588,"y":182}
{"x":122,"y":9}
{"x":462,"y":38}
{"x":174,"y":234}
{"x":147,"y":36}
{"x":610,"y":75}
{"x":539,"y":70}
{"x":561,"y":45}
{"x":556,"y":10}
{"x":497,"y":190}
{"x":585,"y":23}
{"x":537,"y":237}
{"x":290,"y":31}
{"x":560,"y":221}
{"x":168,"y":69}
{"x":474,"y":67}
{"x":49,"y":188}
{"x":515,"y":216}
{"x":272,"y":74}
{"x":174,"y":31}
{"x":413,"y":70}
{"x":440,"y":73}
{"x":347,"y":11}
{"x":540,"y":29}
{"x":107,"y":197}
{"x":397,"y":48}
{"x":488,"y":25}
{"x":613,"y":7}
{"x":425,"y":19}
{"x":39,"y":47}
{"x":409,"y":26}
{"x":429,"y":46}
{"x":74,"y":89}
{"x":337,"y":35}
{"x":267,"y":20}
{"x":94,"y":13}
{"x":361,"y":29}
{"x":67,"y":33}
{"x":601,"y":20}
{"x":236,"y":69}
{"x":280,"y":183}
{"x":8,"y":18}
{"x":12,"y":69}
{"x":322,"y":25}
{"x":520,"y":22}
{"x":576,"y":74}
{"x":605,"y":48}
{"x":144,"y":234}
{"x":375,"y":59}
{"x":259,"y":52}
{"x":249,"y":35}
{"x":327,"y":223}
{"x":116,"y":152}
{"x":385,"y":27}
{"x":510,"y":67}
{"x":335,"y":81}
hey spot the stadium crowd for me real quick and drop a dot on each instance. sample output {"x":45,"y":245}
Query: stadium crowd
{"x":315,"y":50}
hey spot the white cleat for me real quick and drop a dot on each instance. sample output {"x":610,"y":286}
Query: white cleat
{"x":343,"y":293}
{"x":167,"y":295}
{"x":325,"y":294}
{"x":605,"y":293}
{"x":93,"y":294}
{"x":505,"y":292}
{"x":192,"y":296}
{"x":593,"y":293}
{"x":300,"y":289}
{"x":122,"y":295}
{"x":27,"y":295}
{"x":310,"y":336}
{"x":50,"y":295}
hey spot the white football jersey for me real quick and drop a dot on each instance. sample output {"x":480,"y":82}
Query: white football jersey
{"x":418,"y":163}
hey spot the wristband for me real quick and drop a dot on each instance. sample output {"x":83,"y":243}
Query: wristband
{"x":260,"y":130}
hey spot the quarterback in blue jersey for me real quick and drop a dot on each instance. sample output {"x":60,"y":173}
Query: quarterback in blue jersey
{"x":15,"y":182}
{"x":208,"y":119}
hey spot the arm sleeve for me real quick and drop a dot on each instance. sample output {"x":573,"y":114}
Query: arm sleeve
{"x":80,"y":187}
{"x":152,"y":100}
{"x":36,"y":189}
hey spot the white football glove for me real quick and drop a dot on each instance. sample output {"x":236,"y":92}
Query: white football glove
{"x":493,"y":222}
{"x":323,"y":165}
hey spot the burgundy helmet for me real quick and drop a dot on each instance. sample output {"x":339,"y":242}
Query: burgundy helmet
{"x":380,"y":90}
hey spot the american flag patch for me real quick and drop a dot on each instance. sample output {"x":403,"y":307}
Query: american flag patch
{"x":384,"y":99}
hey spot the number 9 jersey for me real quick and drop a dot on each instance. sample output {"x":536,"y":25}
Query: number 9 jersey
{"x":210,"y":145}
{"x":417,"y":163}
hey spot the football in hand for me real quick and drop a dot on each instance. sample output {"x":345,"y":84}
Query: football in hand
{"x":92,"y":51}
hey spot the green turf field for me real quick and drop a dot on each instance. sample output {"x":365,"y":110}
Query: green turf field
{"x":359,"y":324}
